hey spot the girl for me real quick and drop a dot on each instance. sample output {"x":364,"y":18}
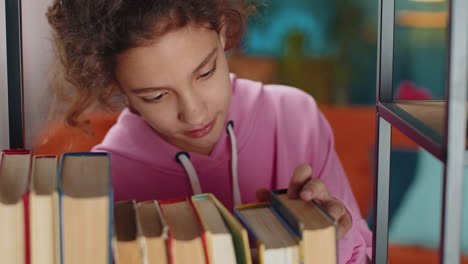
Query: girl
{"x":189,"y":125}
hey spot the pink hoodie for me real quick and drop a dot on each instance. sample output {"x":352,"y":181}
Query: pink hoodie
{"x":276,"y":129}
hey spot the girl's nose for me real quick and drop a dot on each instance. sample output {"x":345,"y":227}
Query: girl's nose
{"x":193,"y":110}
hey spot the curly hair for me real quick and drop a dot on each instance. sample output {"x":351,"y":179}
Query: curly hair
{"x":89,"y":34}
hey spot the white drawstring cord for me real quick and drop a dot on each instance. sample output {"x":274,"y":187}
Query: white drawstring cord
{"x":235,"y":179}
{"x":183,"y":158}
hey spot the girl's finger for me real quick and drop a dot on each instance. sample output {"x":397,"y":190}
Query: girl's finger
{"x":335,"y":209}
{"x":344,"y":225}
{"x":300,"y":177}
{"x":314,"y":189}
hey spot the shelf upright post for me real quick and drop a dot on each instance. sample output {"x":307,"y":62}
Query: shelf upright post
{"x":384,"y":130}
{"x":455,"y":132}
{"x":14,"y":72}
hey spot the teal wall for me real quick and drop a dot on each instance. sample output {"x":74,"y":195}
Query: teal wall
{"x":347,"y":31}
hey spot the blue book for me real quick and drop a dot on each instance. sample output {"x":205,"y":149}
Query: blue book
{"x":86,"y":208}
{"x":311,"y":222}
{"x":275,"y":241}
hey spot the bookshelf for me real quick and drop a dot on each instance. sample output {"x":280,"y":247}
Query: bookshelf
{"x":437,"y":126}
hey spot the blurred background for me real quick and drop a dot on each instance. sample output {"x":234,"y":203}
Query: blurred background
{"x":326,"y":48}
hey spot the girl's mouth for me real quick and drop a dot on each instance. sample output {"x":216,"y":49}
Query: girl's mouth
{"x":198,"y":133}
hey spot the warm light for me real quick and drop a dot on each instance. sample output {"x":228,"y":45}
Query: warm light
{"x":423,"y":19}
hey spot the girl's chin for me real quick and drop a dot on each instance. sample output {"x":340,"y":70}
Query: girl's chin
{"x":201,"y":145}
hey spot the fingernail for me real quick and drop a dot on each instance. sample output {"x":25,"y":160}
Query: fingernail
{"x":306,"y":195}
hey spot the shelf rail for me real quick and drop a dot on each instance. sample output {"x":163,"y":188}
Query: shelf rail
{"x":14,"y":72}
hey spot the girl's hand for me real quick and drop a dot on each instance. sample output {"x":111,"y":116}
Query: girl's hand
{"x":303,"y":186}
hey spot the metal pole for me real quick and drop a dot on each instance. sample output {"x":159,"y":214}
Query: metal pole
{"x":384,"y":93}
{"x":14,"y":72}
{"x":455,"y":135}
{"x":385,"y":51}
{"x":382,"y":191}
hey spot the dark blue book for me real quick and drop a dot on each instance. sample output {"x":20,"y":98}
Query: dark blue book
{"x":311,"y":222}
{"x":276,"y":242}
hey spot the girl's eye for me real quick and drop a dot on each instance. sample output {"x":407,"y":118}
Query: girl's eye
{"x":209,"y":73}
{"x":156,"y":98}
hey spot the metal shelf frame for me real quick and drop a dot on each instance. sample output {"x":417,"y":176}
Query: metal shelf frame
{"x":14,"y":72}
{"x":449,"y":147}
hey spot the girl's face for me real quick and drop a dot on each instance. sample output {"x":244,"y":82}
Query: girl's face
{"x":180,"y":86}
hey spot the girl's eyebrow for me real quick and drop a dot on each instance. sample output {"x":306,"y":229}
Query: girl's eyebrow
{"x":201,"y":65}
{"x":206,"y":60}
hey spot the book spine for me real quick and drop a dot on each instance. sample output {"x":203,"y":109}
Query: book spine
{"x":174,"y":200}
{"x":111,"y":224}
{"x":60,"y":204}
{"x":297,"y":236}
{"x":283,"y":221}
{"x":165,"y":227}
{"x":44,"y":156}
{"x":238,"y":232}
{"x":24,"y":198}
{"x":170,"y":245}
{"x":284,"y":212}
{"x":16,"y":151}
{"x":170,"y":238}
{"x":61,"y":194}
{"x":111,"y":208}
{"x":27,"y":235}
{"x":204,"y":235}
{"x":253,"y":238}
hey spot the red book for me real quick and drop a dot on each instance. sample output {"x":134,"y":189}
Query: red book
{"x":186,"y":237}
{"x":14,"y":178}
{"x":44,"y":244}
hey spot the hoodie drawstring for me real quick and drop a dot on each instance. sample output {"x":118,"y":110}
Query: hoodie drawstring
{"x":235,"y":179}
{"x":184,"y":159}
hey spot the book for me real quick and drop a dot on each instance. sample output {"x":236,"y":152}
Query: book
{"x":312,"y":223}
{"x":14,"y":178}
{"x":86,"y":207}
{"x":43,"y":211}
{"x":218,"y":237}
{"x":127,"y":233}
{"x":153,"y":233}
{"x":186,"y":241}
{"x":276,"y":242}
{"x":238,"y":232}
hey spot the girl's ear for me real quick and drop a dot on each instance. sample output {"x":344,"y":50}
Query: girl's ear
{"x":127,"y":102}
{"x":131,"y":107}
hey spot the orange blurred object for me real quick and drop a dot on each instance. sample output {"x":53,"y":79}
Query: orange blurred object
{"x":57,"y":137}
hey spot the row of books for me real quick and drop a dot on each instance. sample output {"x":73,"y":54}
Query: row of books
{"x":199,"y":230}
{"x":55,"y":212}
{"x":63,"y":212}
